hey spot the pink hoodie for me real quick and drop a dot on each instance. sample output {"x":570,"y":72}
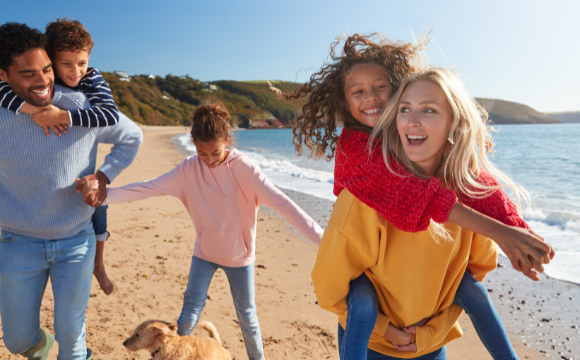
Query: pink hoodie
{"x":223,"y":204}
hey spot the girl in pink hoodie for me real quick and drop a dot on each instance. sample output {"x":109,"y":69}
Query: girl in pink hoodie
{"x":222,"y":191}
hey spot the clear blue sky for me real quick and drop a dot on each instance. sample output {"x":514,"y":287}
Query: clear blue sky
{"x":523,"y":51}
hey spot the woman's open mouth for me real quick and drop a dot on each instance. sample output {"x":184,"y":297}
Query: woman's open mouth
{"x":416,"y":140}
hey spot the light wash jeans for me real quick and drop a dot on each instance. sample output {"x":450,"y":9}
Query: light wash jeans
{"x":241,"y":281}
{"x":26,"y":264}
{"x":471,"y":296}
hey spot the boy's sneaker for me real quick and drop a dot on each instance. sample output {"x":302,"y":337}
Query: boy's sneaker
{"x":89,"y":354}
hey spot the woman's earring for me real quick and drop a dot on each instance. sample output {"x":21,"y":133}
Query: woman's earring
{"x":450,"y":138}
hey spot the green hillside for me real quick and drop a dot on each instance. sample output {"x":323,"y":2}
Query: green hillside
{"x":567,"y":117}
{"x":171,"y":100}
{"x":506,"y":112}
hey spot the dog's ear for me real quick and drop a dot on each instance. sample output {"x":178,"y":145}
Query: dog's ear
{"x":172,"y":327}
{"x":161,"y":331}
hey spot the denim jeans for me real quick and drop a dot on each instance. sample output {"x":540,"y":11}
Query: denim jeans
{"x":471,"y":296}
{"x":26,"y":264}
{"x":241,"y":281}
{"x":99,"y":221}
{"x":362,"y":311}
{"x":439,"y":354}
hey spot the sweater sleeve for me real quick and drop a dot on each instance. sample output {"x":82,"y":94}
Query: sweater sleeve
{"x":498,"y":205}
{"x":408,"y":202}
{"x":276,"y":200}
{"x":432,"y":333}
{"x":342,"y":258}
{"x":167,"y":184}
{"x":103,"y":111}
{"x":482,"y":260}
{"x":126,"y":138}
{"x":8,"y":99}
{"x":482,"y":257}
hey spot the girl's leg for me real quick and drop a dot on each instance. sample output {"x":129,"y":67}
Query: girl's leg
{"x":200,"y":275}
{"x":361,"y":318}
{"x":242,"y":286}
{"x":99,"y":220}
{"x":473,"y":297}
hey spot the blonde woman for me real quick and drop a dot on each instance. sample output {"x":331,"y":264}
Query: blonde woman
{"x":435,"y":128}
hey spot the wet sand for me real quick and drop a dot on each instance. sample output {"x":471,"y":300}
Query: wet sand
{"x":149,"y":254}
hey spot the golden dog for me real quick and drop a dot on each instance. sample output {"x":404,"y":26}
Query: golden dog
{"x":161,"y":340}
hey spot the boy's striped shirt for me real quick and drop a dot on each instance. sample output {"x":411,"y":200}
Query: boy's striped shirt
{"x":102,"y":112}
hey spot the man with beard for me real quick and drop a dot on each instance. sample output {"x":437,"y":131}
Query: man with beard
{"x":45,"y":226}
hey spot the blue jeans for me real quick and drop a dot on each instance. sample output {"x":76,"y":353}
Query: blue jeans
{"x":26,"y":264}
{"x":439,"y":354}
{"x":471,"y":296}
{"x":99,"y":221}
{"x":241,"y":281}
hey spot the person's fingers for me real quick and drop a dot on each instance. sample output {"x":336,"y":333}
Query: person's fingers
{"x":515,"y":264}
{"x":530,"y":273}
{"x":80,"y":184}
{"x":552,"y":253}
{"x":537,"y":265}
{"x":55,"y":129}
{"x":46,"y":131}
{"x":525,"y":261}
{"x":62,"y":128}
{"x":412,"y":347}
{"x":410,"y":329}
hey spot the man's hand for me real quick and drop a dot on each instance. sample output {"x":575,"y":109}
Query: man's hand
{"x":525,"y":249}
{"x":397,"y":337}
{"x":93,"y":188}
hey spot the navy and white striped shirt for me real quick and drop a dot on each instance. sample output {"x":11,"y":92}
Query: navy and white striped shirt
{"x":102,"y":112}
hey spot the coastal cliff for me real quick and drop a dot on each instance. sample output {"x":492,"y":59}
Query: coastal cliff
{"x":171,"y":100}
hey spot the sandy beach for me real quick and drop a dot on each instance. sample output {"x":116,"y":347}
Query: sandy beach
{"x":148,"y":258}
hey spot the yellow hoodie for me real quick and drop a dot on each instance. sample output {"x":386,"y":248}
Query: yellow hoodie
{"x":415,"y":276}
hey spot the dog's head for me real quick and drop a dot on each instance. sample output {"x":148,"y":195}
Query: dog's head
{"x":150,"y":335}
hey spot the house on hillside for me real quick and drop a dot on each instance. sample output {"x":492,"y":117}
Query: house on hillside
{"x":122,"y":75}
{"x":213,"y":87}
{"x":151,"y":76}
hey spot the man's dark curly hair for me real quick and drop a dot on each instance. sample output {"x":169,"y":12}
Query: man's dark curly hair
{"x":16,"y":39}
{"x":67,"y":35}
{"x":316,"y":126}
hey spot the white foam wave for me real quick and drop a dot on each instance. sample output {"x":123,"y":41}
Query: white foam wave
{"x":288,"y":168}
{"x":562,"y":220}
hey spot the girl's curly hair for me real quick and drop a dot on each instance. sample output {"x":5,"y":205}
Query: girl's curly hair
{"x":326,"y":107}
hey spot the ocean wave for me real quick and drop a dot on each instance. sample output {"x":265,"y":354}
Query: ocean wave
{"x":286,"y":167}
{"x":562,"y":220}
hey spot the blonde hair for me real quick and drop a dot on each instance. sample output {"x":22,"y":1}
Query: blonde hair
{"x":468,"y":145}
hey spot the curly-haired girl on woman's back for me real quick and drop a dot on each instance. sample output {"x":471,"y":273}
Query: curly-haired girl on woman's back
{"x":352,"y":91}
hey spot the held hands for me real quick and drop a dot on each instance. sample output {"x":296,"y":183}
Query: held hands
{"x":49,"y":116}
{"x":93,"y":188}
{"x":525,"y":249}
{"x":402,"y":340}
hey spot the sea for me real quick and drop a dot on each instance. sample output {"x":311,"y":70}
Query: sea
{"x":544,"y":158}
